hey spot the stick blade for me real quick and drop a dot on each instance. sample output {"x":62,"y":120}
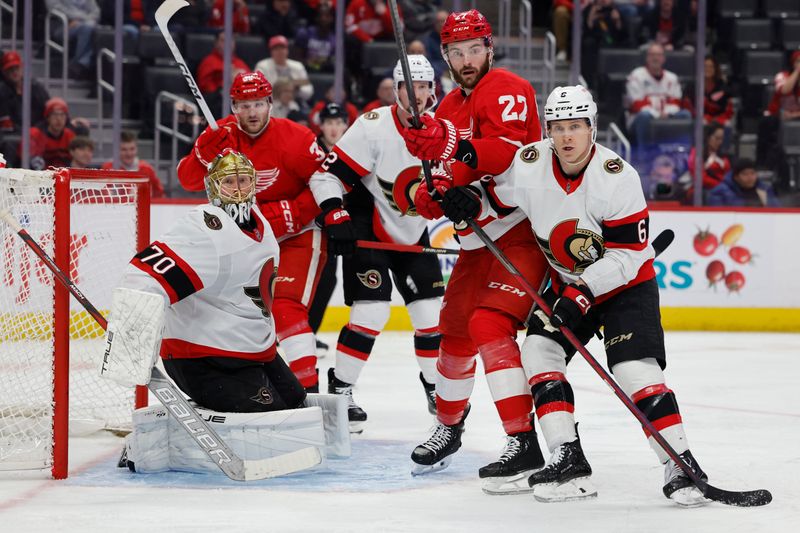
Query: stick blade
{"x":167,"y":9}
{"x":281,"y":465}
{"x":663,"y":240}
{"x":745,"y":498}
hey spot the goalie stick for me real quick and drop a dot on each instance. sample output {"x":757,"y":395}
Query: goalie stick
{"x":750,"y":498}
{"x":165,"y":12}
{"x":206,"y":438}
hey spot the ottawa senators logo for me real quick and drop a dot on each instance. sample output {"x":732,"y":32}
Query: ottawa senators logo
{"x":371,"y":115}
{"x":529,"y":154}
{"x":371,"y":279}
{"x":212,"y":221}
{"x":400,"y":193}
{"x":613,"y":166}
{"x":263,"y":396}
{"x":571,"y":248}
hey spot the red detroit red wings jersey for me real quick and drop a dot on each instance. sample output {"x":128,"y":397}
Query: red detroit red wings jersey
{"x":284,"y":155}
{"x":499,"y":116}
{"x":594,"y":226}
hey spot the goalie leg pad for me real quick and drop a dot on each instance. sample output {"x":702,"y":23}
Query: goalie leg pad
{"x":133,"y":336}
{"x":158,"y":443}
{"x":334,"y":416}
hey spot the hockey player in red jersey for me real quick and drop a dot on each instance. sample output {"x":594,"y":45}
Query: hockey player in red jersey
{"x":285,"y":154}
{"x":476,"y":131}
{"x":371,"y":163}
{"x":588,"y":211}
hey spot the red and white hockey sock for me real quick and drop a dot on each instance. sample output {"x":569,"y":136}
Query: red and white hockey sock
{"x":352,"y":351}
{"x":301,"y":354}
{"x":507,"y":383}
{"x":555,"y":405}
{"x":455,"y":378}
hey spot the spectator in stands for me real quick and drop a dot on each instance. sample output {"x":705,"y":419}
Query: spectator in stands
{"x":50,"y":139}
{"x":11,"y":95}
{"x":367,"y":20}
{"x":192,"y":18}
{"x":81,"y":152}
{"x":785,"y":105}
{"x":129,"y":160}
{"x":562,"y":21}
{"x":241,"y":16}
{"x":418,"y":18}
{"x":661,"y":179}
{"x":316,"y":44}
{"x":743,"y":188}
{"x":308,"y":9}
{"x":652,"y":93}
{"x":716,"y":164}
{"x":82,"y":16}
{"x":604,"y":29}
{"x":279,"y":18}
{"x":433,"y":44}
{"x":313,"y":116}
{"x":210,"y":72}
{"x":137,"y":15}
{"x":416,"y":47}
{"x":718,"y":102}
{"x":634,"y":8}
{"x":667,"y":24}
{"x":278,"y":66}
{"x":283,"y":99}
{"x":385,"y":95}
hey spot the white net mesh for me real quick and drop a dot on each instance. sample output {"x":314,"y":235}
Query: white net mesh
{"x":103,"y":231}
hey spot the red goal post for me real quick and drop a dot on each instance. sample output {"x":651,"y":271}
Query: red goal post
{"x":91,"y":222}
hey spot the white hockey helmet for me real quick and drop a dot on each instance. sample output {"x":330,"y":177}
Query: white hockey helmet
{"x":421,"y":70}
{"x":570,"y":102}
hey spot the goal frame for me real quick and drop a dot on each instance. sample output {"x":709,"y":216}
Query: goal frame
{"x":61,"y":312}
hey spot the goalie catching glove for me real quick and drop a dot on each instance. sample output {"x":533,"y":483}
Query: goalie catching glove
{"x":133,"y":336}
{"x":573,"y":304}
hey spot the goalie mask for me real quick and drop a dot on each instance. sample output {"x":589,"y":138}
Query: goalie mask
{"x":421,"y":70}
{"x":231,"y":185}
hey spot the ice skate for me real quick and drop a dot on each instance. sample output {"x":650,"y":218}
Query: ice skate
{"x":566,"y":476}
{"x":356,"y":416}
{"x":677,"y":485}
{"x":509,"y":474}
{"x":436,"y":453}
{"x":430,"y":394}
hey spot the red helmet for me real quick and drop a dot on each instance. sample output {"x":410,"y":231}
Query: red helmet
{"x":250,"y":86}
{"x":464,"y":26}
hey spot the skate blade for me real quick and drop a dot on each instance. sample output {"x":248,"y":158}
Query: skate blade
{"x":356,"y":428}
{"x":503,"y":486}
{"x":689,"y":497}
{"x":421,"y":470}
{"x":576,"y":489}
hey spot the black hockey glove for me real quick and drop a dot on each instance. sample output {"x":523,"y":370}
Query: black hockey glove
{"x":461,"y":203}
{"x":335,"y":220}
{"x":573,"y":304}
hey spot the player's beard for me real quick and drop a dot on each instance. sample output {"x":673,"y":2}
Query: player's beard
{"x":478,"y":77}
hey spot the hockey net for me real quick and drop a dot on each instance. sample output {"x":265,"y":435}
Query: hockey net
{"x":91,"y":223}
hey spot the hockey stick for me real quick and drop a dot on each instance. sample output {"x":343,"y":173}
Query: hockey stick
{"x":406,"y":248}
{"x":165,"y":12}
{"x":214,"y":447}
{"x":750,"y":498}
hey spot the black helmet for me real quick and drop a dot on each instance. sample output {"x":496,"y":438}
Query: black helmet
{"x":332,"y":110}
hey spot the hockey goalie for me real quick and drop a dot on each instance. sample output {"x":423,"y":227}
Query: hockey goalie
{"x":200,"y":297}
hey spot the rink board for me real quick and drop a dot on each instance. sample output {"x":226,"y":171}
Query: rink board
{"x":755,"y":248}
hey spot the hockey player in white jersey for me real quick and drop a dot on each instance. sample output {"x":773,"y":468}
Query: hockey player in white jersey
{"x":218,"y":343}
{"x":586,"y":207}
{"x":372,"y":165}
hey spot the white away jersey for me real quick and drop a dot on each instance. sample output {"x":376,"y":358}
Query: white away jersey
{"x":373,"y":151}
{"x":201,"y":266}
{"x":594,"y":226}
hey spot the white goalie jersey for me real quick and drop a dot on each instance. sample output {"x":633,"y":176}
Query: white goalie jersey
{"x":373,"y":151}
{"x":201,"y":267}
{"x":594,"y":226}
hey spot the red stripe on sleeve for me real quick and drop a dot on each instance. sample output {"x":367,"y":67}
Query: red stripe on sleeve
{"x":628,"y":219}
{"x":350,"y":162}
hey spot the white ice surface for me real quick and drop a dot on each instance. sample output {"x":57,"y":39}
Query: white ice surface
{"x":738,"y":398}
